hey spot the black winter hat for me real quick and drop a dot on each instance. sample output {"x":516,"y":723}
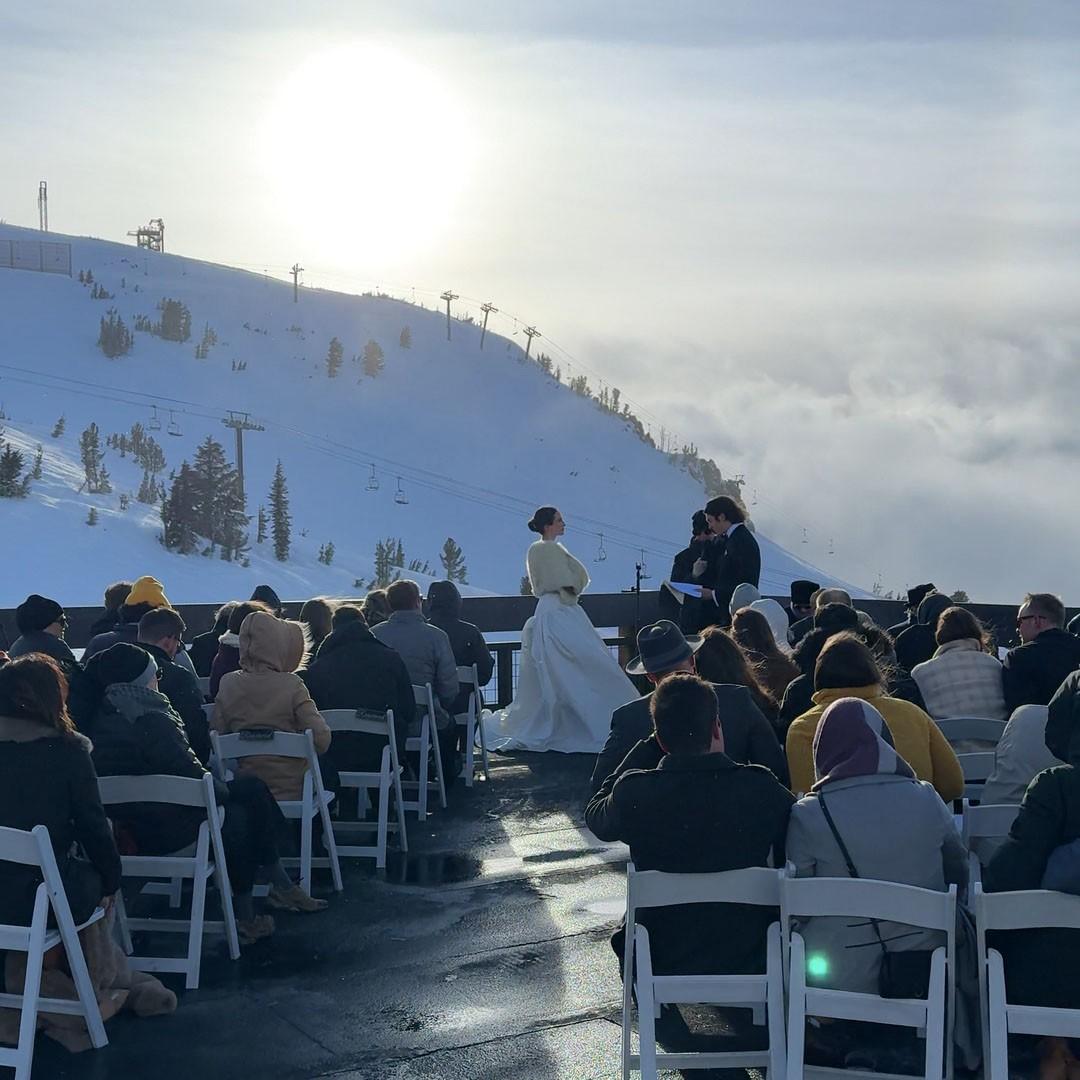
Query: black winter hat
{"x":37,"y":612}
{"x":916,"y":594}
{"x":120,"y":663}
{"x":802,"y":591}
{"x":267,"y":596}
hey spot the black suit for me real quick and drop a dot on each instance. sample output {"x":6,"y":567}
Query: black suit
{"x":732,"y":561}
{"x":748,"y":736}
{"x":695,"y":814}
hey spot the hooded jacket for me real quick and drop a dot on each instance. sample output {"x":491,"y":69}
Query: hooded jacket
{"x":47,"y":778}
{"x":267,"y":693}
{"x":466,"y":641}
{"x":917,"y":643}
{"x":226,"y":659}
{"x":918,"y":740}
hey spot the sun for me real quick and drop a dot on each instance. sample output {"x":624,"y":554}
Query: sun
{"x":369,"y":146}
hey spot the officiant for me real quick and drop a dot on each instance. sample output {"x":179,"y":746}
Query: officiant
{"x":689,"y":567}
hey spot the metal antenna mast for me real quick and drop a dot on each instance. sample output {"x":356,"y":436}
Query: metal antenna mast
{"x":488,"y":309}
{"x":240,"y":422}
{"x":296,"y":271}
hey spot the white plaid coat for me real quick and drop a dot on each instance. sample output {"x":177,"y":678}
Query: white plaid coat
{"x":961,"y":680}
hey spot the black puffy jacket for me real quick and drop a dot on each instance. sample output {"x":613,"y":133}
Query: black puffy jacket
{"x":466,"y":641}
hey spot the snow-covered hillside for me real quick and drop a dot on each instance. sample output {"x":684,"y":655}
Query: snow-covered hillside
{"x":472,"y":439}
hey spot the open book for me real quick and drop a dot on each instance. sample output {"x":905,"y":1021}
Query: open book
{"x":681,"y":590}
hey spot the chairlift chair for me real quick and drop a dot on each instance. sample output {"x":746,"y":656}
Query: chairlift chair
{"x":601,"y":554}
{"x":399,"y":496}
{"x":155,"y":423}
{"x":174,"y":427}
{"x":373,"y":481}
{"x":645,"y":575}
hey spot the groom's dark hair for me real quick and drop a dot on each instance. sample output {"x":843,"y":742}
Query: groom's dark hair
{"x":724,"y":504}
{"x":684,"y":710}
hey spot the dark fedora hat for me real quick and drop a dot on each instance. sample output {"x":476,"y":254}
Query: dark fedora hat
{"x":661,"y":647}
{"x":917,"y":593}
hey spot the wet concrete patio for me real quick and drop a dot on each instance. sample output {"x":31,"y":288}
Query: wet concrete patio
{"x":484,"y":954}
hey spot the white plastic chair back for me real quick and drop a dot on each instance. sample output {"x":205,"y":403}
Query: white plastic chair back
{"x":958,"y":728}
{"x":473,"y":722}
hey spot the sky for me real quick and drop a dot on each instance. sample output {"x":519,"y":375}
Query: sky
{"x":834,"y":245}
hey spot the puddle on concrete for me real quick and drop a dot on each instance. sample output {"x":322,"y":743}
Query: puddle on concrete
{"x":436,"y":869}
{"x":614,"y":908}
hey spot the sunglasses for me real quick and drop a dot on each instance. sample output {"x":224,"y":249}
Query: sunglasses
{"x":1024,"y":618}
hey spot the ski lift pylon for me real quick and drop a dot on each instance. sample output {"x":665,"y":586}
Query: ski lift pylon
{"x":399,"y":496}
{"x":373,"y":480}
{"x":155,"y":423}
{"x":174,"y":427}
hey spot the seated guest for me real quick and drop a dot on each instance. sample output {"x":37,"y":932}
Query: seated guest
{"x":47,"y":778}
{"x":755,"y":636}
{"x":1021,"y":754}
{"x":161,"y":634}
{"x":317,"y":615}
{"x":204,"y":647}
{"x":964,"y":676}
{"x":115,"y":595}
{"x":892,"y":827}
{"x":684,"y":806}
{"x":354,"y":670}
{"x":744,"y":596}
{"x":1035,"y":669}
{"x":267,"y":693}
{"x":915,"y":596}
{"x":846,"y":668}
{"x":799,"y":695}
{"x":41,"y":624}
{"x":468,"y":644}
{"x":1040,"y":965}
{"x":228,"y":654}
{"x":822,"y":597}
{"x":721,"y":661}
{"x":263,"y":594}
{"x":137,"y":733}
{"x":376,"y":608}
{"x":801,"y":605}
{"x":916,"y":644}
{"x":663,"y":651}
{"x":147,"y":594}
{"x":428,"y":658}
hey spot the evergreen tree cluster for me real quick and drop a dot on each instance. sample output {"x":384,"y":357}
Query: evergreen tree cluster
{"x":99,"y":292}
{"x":326,"y":553}
{"x":389,"y":561}
{"x":453,"y":561}
{"x":205,"y":501}
{"x":14,"y":476}
{"x":39,"y":458}
{"x":114,"y":338}
{"x":260,"y":533}
{"x":280,"y":521}
{"x":58,"y":427}
{"x":175,"y":324}
{"x":373,"y":359}
{"x":209,"y":340}
{"x":405,"y":338}
{"x":335,"y":357}
{"x":93,"y":462}
{"x":145,"y":449}
{"x":86,"y":277}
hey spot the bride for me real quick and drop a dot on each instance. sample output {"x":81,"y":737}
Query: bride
{"x":569,"y":683}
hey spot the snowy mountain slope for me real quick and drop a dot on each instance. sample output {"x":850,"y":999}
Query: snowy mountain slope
{"x":474,"y":439}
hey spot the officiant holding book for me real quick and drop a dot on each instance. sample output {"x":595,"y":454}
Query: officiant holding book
{"x":733,"y":557}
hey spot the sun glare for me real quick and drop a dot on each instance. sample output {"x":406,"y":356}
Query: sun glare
{"x":369,"y":147}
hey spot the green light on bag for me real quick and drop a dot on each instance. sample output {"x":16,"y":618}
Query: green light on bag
{"x":817,"y":967}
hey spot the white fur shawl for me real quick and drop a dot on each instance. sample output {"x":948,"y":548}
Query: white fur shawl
{"x":552,"y":569}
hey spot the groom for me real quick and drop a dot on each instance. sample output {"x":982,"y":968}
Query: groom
{"x":733,"y":558}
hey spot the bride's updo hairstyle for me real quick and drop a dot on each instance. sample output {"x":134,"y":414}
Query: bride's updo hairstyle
{"x":543,"y":517}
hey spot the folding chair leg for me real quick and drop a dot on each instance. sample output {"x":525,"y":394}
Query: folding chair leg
{"x":331,"y":846}
{"x":32,"y":988}
{"x":483,"y":744}
{"x":198,"y":918}
{"x":425,"y":769}
{"x":403,"y":836}
{"x":306,"y":825}
{"x":997,"y":1068}
{"x":647,"y":1009}
{"x":84,"y":988}
{"x":775,"y":1004}
{"x":224,"y":887}
{"x":796,"y":1046}
{"x":470,"y":735}
{"x":935,"y":1023}
{"x":122,"y":924}
{"x":440,"y":780}
{"x":628,"y":978}
{"x":384,"y":816}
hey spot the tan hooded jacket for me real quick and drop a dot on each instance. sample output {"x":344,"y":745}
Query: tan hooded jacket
{"x":266,"y":693}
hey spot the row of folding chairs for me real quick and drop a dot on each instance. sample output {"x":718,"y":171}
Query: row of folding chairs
{"x":977,"y":765}
{"x":780,"y":999}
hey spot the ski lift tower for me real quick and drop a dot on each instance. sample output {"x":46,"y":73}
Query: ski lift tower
{"x":241,"y":422}
{"x":150,"y":236}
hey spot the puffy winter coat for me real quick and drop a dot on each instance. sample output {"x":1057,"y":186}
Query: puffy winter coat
{"x":427,"y":655}
{"x":552,"y":569}
{"x":267,"y":693}
{"x":466,"y":641}
{"x":41,"y":642}
{"x":182,"y":690}
{"x":917,"y":738}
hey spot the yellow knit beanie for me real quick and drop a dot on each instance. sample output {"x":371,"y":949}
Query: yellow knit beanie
{"x":147,"y":590}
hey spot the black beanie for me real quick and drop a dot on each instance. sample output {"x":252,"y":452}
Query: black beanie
{"x":120,"y":663}
{"x":267,"y":596}
{"x":35,"y":613}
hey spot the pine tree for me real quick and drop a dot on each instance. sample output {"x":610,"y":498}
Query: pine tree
{"x":526,"y":585}
{"x":260,"y":533}
{"x":335,"y":354}
{"x":177,"y":513}
{"x":148,"y":490}
{"x":399,"y":554}
{"x":373,"y":359}
{"x":125,"y":500}
{"x":13,"y":485}
{"x":328,"y":552}
{"x":280,"y":522}
{"x":39,"y":457}
{"x":405,"y":338}
{"x":92,"y":517}
{"x":175,"y":322}
{"x":453,"y":561}
{"x":58,"y":427}
{"x":92,"y":458}
{"x":216,"y":513}
{"x":233,"y":535}
{"x":114,"y":338}
{"x":384,"y":563}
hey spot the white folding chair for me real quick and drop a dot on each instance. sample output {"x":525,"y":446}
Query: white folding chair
{"x":1037,"y":908}
{"x":315,"y":799}
{"x":427,"y":746}
{"x":984,"y":822}
{"x":204,"y":686}
{"x":961,"y":728}
{"x":35,"y":849}
{"x":859,"y":898}
{"x":763,"y":993}
{"x":201,"y":861}
{"x":473,"y":721}
{"x":386,"y":779}
{"x":977,"y":768}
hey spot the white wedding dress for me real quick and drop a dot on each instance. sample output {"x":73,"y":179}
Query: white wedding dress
{"x":569,"y":684}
